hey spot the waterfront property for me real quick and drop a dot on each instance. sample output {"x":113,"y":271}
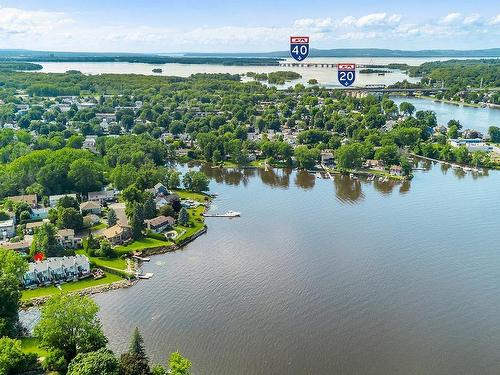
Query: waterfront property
{"x":57,"y":269}
{"x":117,"y":234}
{"x":160,"y":223}
{"x":473,"y":144}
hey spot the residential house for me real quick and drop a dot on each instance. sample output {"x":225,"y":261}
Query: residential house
{"x":160,"y":189}
{"x":160,"y":202}
{"x":90,"y":207}
{"x":374,"y":164}
{"x":117,"y":234}
{"x":40,"y":213}
{"x":90,"y":143}
{"x":58,"y":269}
{"x":103,"y":196}
{"x":327,"y":157}
{"x":32,"y":227}
{"x":159,"y":223}
{"x":396,"y":170}
{"x":20,"y":246}
{"x":67,"y":239}
{"x":53,"y":199}
{"x":472,"y":145}
{"x":90,"y":220}
{"x":7,"y":229}
{"x":31,"y":199}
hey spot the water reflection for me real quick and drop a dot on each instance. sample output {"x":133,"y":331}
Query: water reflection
{"x":305,"y":180}
{"x":347,"y":190}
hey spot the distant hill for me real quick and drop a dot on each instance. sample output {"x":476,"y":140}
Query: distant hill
{"x":366,"y":52}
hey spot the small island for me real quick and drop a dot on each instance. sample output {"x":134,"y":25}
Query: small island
{"x":277,"y":78}
{"x":157,"y":70}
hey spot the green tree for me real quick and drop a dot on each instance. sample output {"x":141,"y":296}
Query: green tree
{"x":10,"y":295}
{"x":494,"y":132}
{"x":388,"y":154}
{"x":407,"y":108}
{"x":306,"y":158}
{"x":86,"y":175}
{"x":195,"y":181}
{"x":167,"y":210}
{"x":136,"y":219}
{"x":135,"y":361}
{"x":172,"y":179}
{"x":350,"y":156}
{"x":70,"y":324}
{"x":102,"y":362}
{"x":183,"y":217}
{"x":178,"y":364}
{"x":12,"y":358}
{"x":105,"y":250}
{"x":111,"y":216}
{"x":45,"y":241}
{"x":137,"y":344}
{"x":67,"y":201}
{"x":149,"y":207}
{"x":69,"y":218}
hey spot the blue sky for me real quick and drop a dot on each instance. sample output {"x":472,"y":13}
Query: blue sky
{"x":246,"y":26}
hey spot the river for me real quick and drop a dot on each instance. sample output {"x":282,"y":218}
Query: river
{"x":326,"y":76}
{"x":325,"y":277}
{"x":470,"y":117}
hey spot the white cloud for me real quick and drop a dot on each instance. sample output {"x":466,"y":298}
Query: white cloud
{"x":58,"y":31}
{"x":473,"y":19}
{"x":495,"y":20}
{"x":19,"y":21}
{"x":450,"y":19}
{"x":378,"y":19}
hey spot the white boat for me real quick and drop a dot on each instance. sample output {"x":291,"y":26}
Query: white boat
{"x":232,"y":214}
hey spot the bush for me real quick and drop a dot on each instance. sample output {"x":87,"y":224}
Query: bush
{"x":54,"y":361}
{"x":156,"y":236}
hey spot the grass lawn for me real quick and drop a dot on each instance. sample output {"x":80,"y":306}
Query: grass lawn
{"x":69,"y":287}
{"x":195,"y":216}
{"x":117,"y":263}
{"x":99,"y":226}
{"x":30,"y":345}
{"x":145,"y":243}
{"x":191,"y":195}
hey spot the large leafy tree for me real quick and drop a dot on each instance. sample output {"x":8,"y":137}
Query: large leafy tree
{"x":195,"y":181}
{"x":45,"y":241}
{"x":12,"y":267}
{"x":70,"y":324}
{"x":102,"y":362}
{"x":12,"y":358}
{"x":86,"y":175}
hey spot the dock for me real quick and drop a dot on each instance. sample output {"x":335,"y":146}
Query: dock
{"x":227,"y":214}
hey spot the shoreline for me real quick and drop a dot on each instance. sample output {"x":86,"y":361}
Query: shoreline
{"x":125,"y":283}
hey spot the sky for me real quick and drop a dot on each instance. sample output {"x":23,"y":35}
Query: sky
{"x":246,"y":26}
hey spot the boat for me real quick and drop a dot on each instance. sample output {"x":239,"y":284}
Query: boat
{"x":381,"y":179}
{"x":146,"y":275}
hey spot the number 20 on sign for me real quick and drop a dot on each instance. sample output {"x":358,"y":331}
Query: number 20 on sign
{"x":346,"y":74}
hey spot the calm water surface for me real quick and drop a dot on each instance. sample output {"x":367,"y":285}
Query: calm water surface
{"x":469,"y":117}
{"x":324,"y":277}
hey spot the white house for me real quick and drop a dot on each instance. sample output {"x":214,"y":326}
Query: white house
{"x":7,"y":229}
{"x":57,"y":270}
{"x":53,"y":199}
{"x":475,"y":144}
